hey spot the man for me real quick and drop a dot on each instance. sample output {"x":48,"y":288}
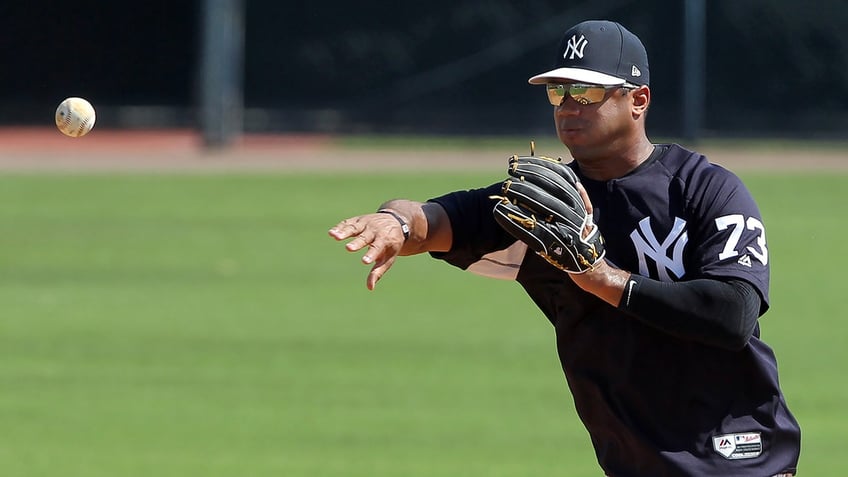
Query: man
{"x":659,"y":340}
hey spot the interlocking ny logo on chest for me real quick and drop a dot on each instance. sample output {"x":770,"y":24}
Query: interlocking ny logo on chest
{"x":649,"y":247}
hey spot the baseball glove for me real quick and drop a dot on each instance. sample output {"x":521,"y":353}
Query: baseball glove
{"x":542,"y":207}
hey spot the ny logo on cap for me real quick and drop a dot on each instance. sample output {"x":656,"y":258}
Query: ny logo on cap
{"x":575,"y":46}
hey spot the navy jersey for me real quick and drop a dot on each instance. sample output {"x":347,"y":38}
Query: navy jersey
{"x":653,"y":404}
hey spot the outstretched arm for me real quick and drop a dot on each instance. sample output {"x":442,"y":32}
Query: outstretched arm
{"x":383,"y":235}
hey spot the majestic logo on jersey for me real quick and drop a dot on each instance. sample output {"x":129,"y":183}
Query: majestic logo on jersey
{"x":575,"y":47}
{"x":647,"y":246}
{"x":739,"y":446}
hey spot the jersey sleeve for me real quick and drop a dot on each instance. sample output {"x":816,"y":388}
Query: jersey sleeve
{"x":730,"y":240}
{"x":475,"y":231}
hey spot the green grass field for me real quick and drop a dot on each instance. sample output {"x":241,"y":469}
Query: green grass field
{"x":206,"y":325}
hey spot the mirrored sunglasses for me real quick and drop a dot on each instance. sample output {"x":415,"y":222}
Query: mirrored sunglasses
{"x":582,"y":93}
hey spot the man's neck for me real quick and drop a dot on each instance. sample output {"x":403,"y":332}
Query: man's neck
{"x":617,"y":163}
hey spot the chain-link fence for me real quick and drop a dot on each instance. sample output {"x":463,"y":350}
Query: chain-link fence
{"x":772,"y":67}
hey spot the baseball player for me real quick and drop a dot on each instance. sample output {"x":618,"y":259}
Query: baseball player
{"x":651,"y":264}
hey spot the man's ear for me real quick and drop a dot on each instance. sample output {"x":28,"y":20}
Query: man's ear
{"x":641,"y":101}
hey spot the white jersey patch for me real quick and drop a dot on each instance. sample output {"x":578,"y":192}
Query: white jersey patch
{"x":739,"y":446}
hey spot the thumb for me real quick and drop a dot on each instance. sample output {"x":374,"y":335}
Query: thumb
{"x":377,"y":271}
{"x":585,"y":196}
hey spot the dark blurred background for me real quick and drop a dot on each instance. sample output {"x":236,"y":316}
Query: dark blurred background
{"x":772,"y":67}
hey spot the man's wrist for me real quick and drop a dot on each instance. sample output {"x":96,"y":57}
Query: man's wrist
{"x":604,"y":281}
{"x":404,"y":226}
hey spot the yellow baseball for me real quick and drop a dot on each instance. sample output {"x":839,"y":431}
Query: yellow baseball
{"x":75,"y":117}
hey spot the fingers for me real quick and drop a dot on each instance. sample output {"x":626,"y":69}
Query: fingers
{"x":347,"y":228}
{"x":382,"y":236}
{"x":364,"y":233}
{"x":367,"y":237}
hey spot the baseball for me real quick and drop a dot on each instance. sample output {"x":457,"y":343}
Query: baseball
{"x":75,"y":117}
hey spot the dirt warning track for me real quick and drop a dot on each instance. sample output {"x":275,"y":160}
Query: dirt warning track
{"x":46,"y":150}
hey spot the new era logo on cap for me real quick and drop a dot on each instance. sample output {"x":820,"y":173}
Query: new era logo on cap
{"x":599,"y":52}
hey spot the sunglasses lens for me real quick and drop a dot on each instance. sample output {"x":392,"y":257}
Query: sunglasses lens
{"x":556,"y":93}
{"x":585,"y":94}
{"x":582,"y":93}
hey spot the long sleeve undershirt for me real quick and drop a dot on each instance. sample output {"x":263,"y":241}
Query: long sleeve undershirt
{"x":710,"y":311}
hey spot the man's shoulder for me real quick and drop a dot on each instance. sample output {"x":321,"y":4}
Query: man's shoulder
{"x":689,"y":165}
{"x":677,"y":157}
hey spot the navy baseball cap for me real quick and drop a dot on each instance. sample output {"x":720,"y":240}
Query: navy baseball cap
{"x":599,"y":52}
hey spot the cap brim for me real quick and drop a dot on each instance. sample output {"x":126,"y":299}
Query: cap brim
{"x":578,"y":75}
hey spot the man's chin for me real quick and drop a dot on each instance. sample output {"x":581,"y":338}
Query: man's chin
{"x":571,"y":138}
